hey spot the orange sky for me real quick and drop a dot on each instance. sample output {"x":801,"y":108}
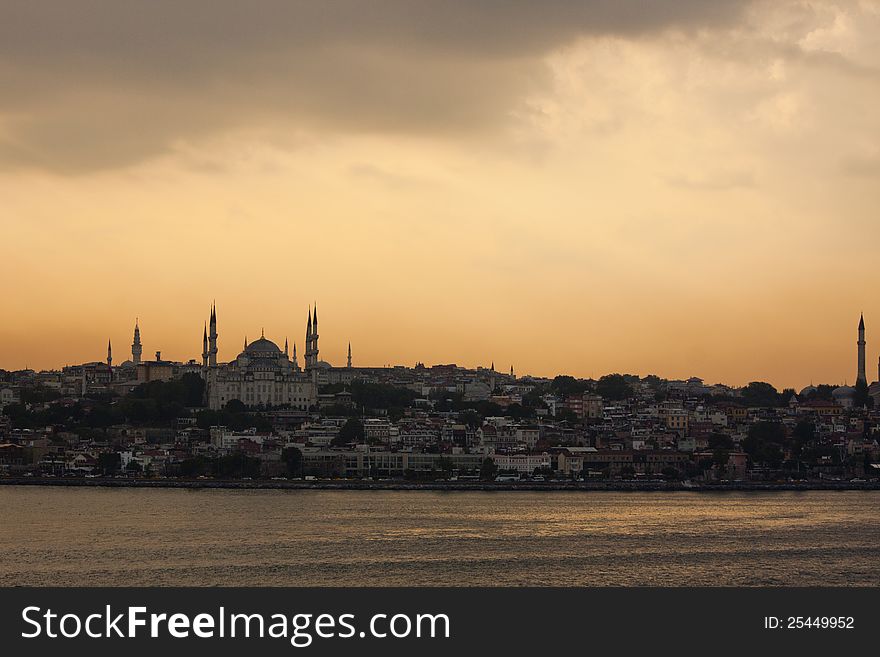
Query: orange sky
{"x":690,"y":190}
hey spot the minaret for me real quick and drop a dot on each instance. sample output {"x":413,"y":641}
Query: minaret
{"x":205,"y":346}
{"x":308,"y":348}
{"x":212,"y":338}
{"x":109,"y":354}
{"x":136,"y":348}
{"x":349,"y":355}
{"x":315,"y":337}
{"x":861,"y":343}
{"x":286,"y":353}
{"x":295,"y":364}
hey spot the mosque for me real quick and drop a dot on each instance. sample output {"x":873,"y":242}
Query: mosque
{"x":263,"y":374}
{"x":845,"y":394}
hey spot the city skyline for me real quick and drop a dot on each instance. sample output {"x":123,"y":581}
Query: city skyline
{"x":217,"y":354}
{"x":685,"y":189}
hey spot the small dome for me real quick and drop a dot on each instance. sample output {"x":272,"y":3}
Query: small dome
{"x":809,"y":390}
{"x":843,"y":392}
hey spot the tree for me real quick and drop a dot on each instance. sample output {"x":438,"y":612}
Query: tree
{"x":446,"y":465}
{"x":654,"y":382}
{"x":720,"y":459}
{"x":235,"y":406}
{"x":670,"y":473}
{"x":614,"y":387}
{"x":109,"y":463}
{"x":764,"y":443}
{"x":381,"y":395}
{"x":294,"y":460}
{"x":38,"y":394}
{"x":566,"y":415}
{"x":861,"y":398}
{"x":194,"y":467}
{"x":471,"y":418}
{"x":804,"y":433}
{"x":133,"y":467}
{"x":566,"y":386}
{"x":351,"y":432}
{"x":720,"y":441}
{"x":488,"y":470}
{"x":758,"y":393}
{"x":235,"y":465}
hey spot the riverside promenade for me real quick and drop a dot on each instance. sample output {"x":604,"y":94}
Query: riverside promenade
{"x":400,"y":484}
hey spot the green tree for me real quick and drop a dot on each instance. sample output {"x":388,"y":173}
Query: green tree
{"x":566,"y":386}
{"x":109,"y":463}
{"x":720,"y":459}
{"x":764,"y":443}
{"x":488,"y":470}
{"x":445,"y":464}
{"x":861,"y":398}
{"x":720,"y":441}
{"x":236,"y":465}
{"x":351,"y":432}
{"x":670,"y":473}
{"x":471,"y":418}
{"x":195,"y":467}
{"x":758,"y":393}
{"x":614,"y":387}
{"x":294,"y":460}
{"x":654,"y":382}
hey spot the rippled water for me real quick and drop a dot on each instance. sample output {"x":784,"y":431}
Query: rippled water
{"x":116,"y":537}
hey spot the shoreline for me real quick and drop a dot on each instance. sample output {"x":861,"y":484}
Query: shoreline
{"x":483,"y":486}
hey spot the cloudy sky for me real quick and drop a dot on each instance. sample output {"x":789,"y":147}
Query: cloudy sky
{"x":681,"y":187}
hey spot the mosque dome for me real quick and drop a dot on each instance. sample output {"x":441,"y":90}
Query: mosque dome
{"x":262,"y":348}
{"x":843,"y":392}
{"x":809,"y":390}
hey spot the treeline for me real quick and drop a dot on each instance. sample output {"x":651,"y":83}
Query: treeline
{"x":150,"y":404}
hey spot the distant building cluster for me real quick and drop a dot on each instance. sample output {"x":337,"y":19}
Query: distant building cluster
{"x":262,"y":415}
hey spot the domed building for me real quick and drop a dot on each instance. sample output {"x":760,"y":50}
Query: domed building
{"x":809,"y":390}
{"x":263,"y":375}
{"x":843,"y":395}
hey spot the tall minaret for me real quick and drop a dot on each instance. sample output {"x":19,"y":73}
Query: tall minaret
{"x":295,"y":364}
{"x":109,"y":354}
{"x":861,"y":375}
{"x":212,"y":338}
{"x":349,"y":355}
{"x":136,"y":348}
{"x":205,"y":346}
{"x":286,"y":352}
{"x":307,"y":356}
{"x":315,"y":337}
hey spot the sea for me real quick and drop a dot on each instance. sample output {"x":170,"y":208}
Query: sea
{"x":83,"y":536}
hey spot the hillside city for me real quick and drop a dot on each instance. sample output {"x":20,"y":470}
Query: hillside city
{"x":440,"y":423}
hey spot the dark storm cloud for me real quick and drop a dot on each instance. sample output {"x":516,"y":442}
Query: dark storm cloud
{"x":91,"y":84}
